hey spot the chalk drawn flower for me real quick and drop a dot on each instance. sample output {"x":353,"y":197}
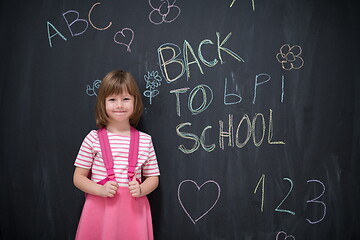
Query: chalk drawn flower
{"x":164,"y":12}
{"x":153,"y":80}
{"x":289,"y":57}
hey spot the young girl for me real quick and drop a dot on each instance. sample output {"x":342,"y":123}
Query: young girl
{"x":119,"y":209}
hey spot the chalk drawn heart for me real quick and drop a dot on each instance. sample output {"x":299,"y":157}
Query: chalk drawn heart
{"x":289,"y":237}
{"x":122,"y":32}
{"x":198,"y":189}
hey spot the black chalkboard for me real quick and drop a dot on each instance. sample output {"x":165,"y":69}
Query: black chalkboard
{"x":253,"y":106}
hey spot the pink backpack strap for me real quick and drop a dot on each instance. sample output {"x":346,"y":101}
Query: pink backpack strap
{"x":133,"y":152}
{"x":106,"y":152}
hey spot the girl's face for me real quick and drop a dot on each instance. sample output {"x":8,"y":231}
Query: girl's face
{"x":119,"y":107}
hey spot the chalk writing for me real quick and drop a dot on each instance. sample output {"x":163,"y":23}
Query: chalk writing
{"x":72,"y":18}
{"x":282,"y":88}
{"x":205,"y":100}
{"x":76,"y":20}
{"x":262,"y":181}
{"x":153,"y":80}
{"x":232,"y":95}
{"x":186,"y":48}
{"x":187,"y":135}
{"x":207,"y":148}
{"x":271,"y":131}
{"x":177,"y":92}
{"x":287,"y":195}
{"x":206,"y":96}
{"x":289,"y":57}
{"x":126,"y":43}
{"x":214,"y":201}
{"x":251,"y":130}
{"x":315,"y":200}
{"x":286,"y":236}
{"x":176,"y":63}
{"x":229,"y":134}
{"x":175,"y":49}
{"x":260,"y":79}
{"x":50,"y":36}
{"x":228,"y":99}
{"x":91,"y":90}
{"x":252,"y":3}
{"x":197,"y":141}
{"x":263,"y":128}
{"x":206,"y":62}
{"x":166,"y":12}
{"x":258,"y":83}
{"x":89,"y":17}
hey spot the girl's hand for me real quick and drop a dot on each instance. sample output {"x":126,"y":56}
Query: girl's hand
{"x":109,"y":189}
{"x":134,"y":188}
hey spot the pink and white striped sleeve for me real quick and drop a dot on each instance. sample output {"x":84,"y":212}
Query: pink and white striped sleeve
{"x":86,"y":154}
{"x":150,"y":167}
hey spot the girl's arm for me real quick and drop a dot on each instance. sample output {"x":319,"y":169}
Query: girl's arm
{"x":146,"y":187}
{"x":149,"y":185}
{"x":82,"y":182}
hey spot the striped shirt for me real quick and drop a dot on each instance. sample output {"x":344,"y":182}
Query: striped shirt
{"x":90,"y":157}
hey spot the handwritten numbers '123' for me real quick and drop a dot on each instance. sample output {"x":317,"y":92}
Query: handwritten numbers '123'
{"x":315,"y":200}
{"x":277,"y":209}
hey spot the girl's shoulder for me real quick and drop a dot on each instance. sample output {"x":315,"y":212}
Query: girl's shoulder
{"x":144,"y":134}
{"x":93,"y":132}
{"x":145,"y":138}
{"x":92,"y":136}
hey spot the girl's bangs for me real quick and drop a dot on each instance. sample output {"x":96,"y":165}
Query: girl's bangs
{"x":118,"y":88}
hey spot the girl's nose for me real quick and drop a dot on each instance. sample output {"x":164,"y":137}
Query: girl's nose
{"x":119,"y":104}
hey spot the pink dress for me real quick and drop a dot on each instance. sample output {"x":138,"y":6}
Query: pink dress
{"x":122,"y":216}
{"x":117,"y":218}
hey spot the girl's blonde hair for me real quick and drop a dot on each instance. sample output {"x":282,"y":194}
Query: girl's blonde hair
{"x":117,"y":82}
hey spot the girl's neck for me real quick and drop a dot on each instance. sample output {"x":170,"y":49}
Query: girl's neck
{"x":122,"y":129}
